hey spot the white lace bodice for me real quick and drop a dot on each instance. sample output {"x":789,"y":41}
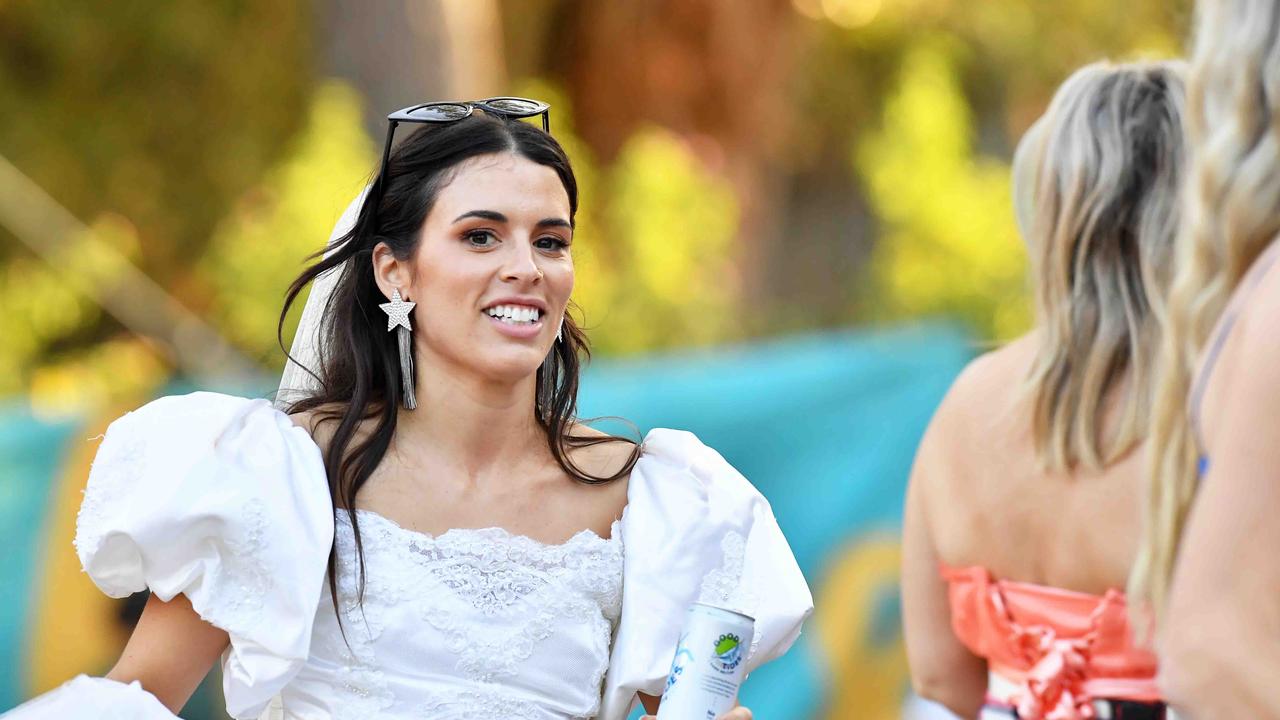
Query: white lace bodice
{"x":484,"y":624}
{"x":224,"y":500}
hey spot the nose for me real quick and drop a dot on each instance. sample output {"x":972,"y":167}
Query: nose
{"x":521,"y":265}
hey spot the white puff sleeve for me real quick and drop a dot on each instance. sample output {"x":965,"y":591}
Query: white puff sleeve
{"x":695,"y":530}
{"x":224,"y":500}
{"x":91,"y":697}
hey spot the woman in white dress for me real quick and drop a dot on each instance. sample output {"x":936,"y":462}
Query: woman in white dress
{"x":425,"y":530}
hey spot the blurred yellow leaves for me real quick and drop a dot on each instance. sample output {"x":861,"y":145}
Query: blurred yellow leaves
{"x":670,"y":278}
{"x":38,"y":308}
{"x":851,"y":13}
{"x":653,"y":248}
{"x":949,"y":244}
{"x":47,"y":300}
{"x":653,"y":242}
{"x":856,"y":14}
{"x":51,"y":299}
{"x":124,"y":369}
{"x":263,"y":245}
{"x":215,"y":91}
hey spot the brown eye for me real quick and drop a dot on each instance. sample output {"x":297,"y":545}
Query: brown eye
{"x":481,"y":239}
{"x":550,"y":242}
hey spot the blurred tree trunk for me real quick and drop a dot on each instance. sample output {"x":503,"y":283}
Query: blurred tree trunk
{"x":715,"y":72}
{"x":731,"y":78}
{"x":399,"y":52}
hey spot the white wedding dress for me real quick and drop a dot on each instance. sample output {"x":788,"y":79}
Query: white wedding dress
{"x":223,"y":499}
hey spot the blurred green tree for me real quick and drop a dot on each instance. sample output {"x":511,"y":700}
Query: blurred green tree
{"x":949,"y":244}
{"x":653,"y":247}
{"x":929,"y":97}
{"x":162,"y":113}
{"x":261,"y":246}
{"x":671,"y":279}
{"x":826,"y":154}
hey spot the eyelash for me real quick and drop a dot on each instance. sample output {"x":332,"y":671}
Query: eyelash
{"x":558,"y":243}
{"x":474,"y":234}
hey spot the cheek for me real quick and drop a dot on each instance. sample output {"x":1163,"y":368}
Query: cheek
{"x":562,"y":280}
{"x":445,"y":287}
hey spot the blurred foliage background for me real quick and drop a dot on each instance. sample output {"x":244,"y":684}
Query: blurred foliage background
{"x":749,"y":169}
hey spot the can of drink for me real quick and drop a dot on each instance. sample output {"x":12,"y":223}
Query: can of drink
{"x":710,"y":661}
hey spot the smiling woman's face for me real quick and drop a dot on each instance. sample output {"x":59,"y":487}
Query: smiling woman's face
{"x":492,"y":273}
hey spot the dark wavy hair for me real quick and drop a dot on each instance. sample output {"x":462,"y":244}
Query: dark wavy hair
{"x":359,"y":372}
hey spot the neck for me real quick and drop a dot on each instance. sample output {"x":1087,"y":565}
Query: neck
{"x":475,"y":426}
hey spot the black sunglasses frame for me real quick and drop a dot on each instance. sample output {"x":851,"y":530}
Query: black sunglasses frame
{"x":406,"y":115}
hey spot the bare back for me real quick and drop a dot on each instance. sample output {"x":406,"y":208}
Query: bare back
{"x":988,"y":502}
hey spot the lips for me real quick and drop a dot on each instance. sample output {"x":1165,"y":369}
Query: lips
{"x":517,"y":318}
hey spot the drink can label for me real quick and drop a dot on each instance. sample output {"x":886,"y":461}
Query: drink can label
{"x":709,"y":664}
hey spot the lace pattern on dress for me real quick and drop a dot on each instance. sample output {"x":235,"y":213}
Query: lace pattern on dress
{"x":490,"y":571}
{"x":723,"y":586}
{"x":235,"y":603}
{"x":517,"y":576}
{"x":364,"y":691}
{"x":235,"y":599}
{"x":117,"y":462}
{"x":482,"y":704}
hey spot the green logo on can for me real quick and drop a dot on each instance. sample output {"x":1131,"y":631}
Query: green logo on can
{"x":727,"y":653}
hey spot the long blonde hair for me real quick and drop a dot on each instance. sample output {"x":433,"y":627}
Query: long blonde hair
{"x":1096,"y":191}
{"x":1231,"y":203}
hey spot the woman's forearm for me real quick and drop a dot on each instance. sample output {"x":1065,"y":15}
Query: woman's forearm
{"x":170,"y":651}
{"x":962,"y":693}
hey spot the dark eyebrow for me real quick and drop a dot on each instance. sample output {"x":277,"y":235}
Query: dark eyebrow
{"x":555,"y":222}
{"x":499,"y":217}
{"x":483,"y":215}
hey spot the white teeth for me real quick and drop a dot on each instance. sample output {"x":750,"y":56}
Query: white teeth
{"x":513,"y":314}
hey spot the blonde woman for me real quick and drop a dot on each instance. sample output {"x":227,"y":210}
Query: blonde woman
{"x":1215,"y":427}
{"x":1021,"y":519}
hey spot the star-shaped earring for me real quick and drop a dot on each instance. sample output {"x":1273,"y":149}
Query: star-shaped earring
{"x":397,"y":311}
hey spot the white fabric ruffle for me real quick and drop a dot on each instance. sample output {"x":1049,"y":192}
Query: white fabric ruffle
{"x":93,"y":697}
{"x":695,"y":530}
{"x":224,"y":500}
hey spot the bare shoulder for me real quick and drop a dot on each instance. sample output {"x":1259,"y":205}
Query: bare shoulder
{"x":976,"y":409}
{"x":602,"y":454}
{"x":988,"y":381}
{"x":1249,"y":356}
{"x":1259,"y":318}
{"x":1000,"y":369}
{"x":319,"y":422}
{"x":305,"y":419}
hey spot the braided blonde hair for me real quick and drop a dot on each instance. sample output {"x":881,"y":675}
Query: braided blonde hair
{"x":1232,"y":204}
{"x":1096,"y":192}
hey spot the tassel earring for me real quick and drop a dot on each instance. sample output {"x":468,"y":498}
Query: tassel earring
{"x":398,"y":319}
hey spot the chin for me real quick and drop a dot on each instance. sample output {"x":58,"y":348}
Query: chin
{"x":510,"y":366}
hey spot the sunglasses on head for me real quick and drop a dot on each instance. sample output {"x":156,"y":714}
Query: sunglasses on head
{"x":513,"y":108}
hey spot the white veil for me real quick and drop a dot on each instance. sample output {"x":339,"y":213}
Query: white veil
{"x":296,"y":383}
